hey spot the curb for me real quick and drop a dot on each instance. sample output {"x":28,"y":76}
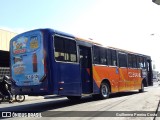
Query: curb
{"x":30,"y":98}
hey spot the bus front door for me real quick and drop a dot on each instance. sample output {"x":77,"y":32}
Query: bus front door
{"x":86,"y":69}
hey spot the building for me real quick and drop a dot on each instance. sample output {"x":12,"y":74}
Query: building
{"x":156,"y":1}
{"x":5,"y":37}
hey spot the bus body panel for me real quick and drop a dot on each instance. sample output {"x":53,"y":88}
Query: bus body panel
{"x":27,"y":59}
{"x":27,"y":63}
{"x":121,"y":79}
{"x":135,"y":78}
{"x":36,"y":71}
{"x":67,"y":78}
{"x":109,"y":73}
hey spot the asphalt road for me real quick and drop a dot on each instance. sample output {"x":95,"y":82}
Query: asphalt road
{"x":116,"y":107}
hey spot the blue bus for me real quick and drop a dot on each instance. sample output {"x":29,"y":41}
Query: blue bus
{"x":47,"y":62}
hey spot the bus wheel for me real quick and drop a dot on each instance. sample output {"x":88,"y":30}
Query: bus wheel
{"x":142,"y":88}
{"x":74,"y":98}
{"x":104,"y":91}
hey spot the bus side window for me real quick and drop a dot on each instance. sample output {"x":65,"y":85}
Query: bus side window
{"x":114,"y":58}
{"x":60,"y":58}
{"x":122,"y":57}
{"x":130,"y":60}
{"x":70,"y":50}
{"x":103,"y":59}
{"x":141,"y":62}
{"x":59,"y":49}
{"x":134,"y":59}
{"x":65,"y":49}
{"x":145,"y":62}
{"x":109,"y":53}
{"x":138,"y":62}
{"x":96,"y":57}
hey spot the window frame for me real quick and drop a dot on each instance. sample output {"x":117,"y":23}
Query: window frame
{"x":103,"y":55}
{"x":119,"y":60}
{"x":112,"y":61}
{"x":69,"y":38}
{"x":110,"y":56}
{"x":130,"y":61}
{"x":96,"y":50}
{"x":100,"y":55}
{"x":134,"y":61}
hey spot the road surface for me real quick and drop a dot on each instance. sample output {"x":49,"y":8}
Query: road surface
{"x":117,"y":106}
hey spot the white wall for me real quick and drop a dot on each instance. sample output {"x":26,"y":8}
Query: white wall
{"x":5,"y":37}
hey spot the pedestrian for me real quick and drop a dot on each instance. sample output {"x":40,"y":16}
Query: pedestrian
{"x":5,"y":88}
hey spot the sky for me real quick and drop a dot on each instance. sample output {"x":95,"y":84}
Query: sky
{"x":132,"y":25}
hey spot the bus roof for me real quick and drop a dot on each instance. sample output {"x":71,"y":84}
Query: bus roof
{"x":130,"y":52}
{"x":85,"y":40}
{"x":80,"y":39}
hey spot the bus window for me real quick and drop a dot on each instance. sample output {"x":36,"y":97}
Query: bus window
{"x":65,"y":49}
{"x":145,"y":65}
{"x":109,"y":56}
{"x":106,"y":52}
{"x":130,"y":60}
{"x":114,"y":58}
{"x":134,"y":59}
{"x":103,"y":59}
{"x":141,"y":62}
{"x":96,"y":57}
{"x":138,"y":62}
{"x":122,"y":57}
{"x":100,"y":55}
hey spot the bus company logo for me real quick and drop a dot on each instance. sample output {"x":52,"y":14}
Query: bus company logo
{"x":133,"y":74}
{"x":6,"y":114}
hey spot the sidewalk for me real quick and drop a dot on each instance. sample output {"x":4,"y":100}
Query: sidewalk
{"x":30,"y":98}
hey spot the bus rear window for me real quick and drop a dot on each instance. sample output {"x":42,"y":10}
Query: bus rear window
{"x":65,"y":49}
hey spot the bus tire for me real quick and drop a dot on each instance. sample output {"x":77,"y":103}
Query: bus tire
{"x":104,"y":90}
{"x":74,"y":98}
{"x":142,"y":88}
